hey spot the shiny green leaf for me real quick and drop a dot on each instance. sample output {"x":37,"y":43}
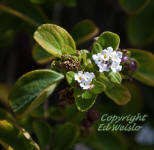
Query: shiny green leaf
{"x":105,"y":40}
{"x":32,"y":88}
{"x":55,"y":40}
{"x":84,"y":100}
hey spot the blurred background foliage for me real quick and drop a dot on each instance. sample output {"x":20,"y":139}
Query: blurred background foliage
{"x":133,"y":20}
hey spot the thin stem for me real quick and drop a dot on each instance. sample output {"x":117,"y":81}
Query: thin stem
{"x":18,"y":14}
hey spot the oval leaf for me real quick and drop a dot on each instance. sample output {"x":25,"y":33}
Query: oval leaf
{"x":141,"y":27}
{"x":145,"y":70}
{"x":32,"y":88}
{"x":115,"y":77}
{"x":84,"y":100}
{"x":43,"y":132}
{"x":70,"y":134}
{"x":15,"y":137}
{"x":55,"y":40}
{"x":131,"y":6}
{"x":70,"y":77}
{"x":84,"y":31}
{"x":40,"y":55}
{"x":105,"y":40}
{"x":119,"y":94}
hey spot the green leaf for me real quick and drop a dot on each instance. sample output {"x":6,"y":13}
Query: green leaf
{"x":43,"y":132}
{"x":105,"y":80}
{"x":99,"y":87}
{"x":65,"y":136}
{"x":131,"y":6}
{"x":40,"y":55}
{"x":24,"y":10}
{"x":55,"y":40}
{"x":145,"y":71}
{"x":70,"y":77}
{"x":16,"y":137}
{"x":119,"y":94}
{"x":4,"y":115}
{"x":38,"y":1}
{"x":115,"y":77}
{"x":84,"y":31}
{"x":141,"y":27}
{"x":73,"y":115}
{"x":4,"y":92}
{"x":105,"y":40}
{"x":70,"y":3}
{"x":84,"y":100}
{"x":137,"y":99}
{"x":32,"y":88}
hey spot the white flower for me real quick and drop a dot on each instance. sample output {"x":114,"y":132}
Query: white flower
{"x":104,"y":67}
{"x":106,"y":55}
{"x":116,"y":67}
{"x":108,"y":60}
{"x":97,"y":58}
{"x":116,"y":56}
{"x":79,"y":76}
{"x":84,"y":79}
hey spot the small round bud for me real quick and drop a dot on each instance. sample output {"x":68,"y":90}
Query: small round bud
{"x":86,"y":123}
{"x":92,"y":115}
{"x":124,"y":58}
{"x":133,"y":65}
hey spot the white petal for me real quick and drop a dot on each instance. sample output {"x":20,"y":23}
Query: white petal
{"x":110,"y":49}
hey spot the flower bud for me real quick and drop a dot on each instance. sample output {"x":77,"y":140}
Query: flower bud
{"x":92,"y":115}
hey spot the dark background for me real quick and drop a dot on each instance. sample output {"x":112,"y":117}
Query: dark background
{"x":16,"y":58}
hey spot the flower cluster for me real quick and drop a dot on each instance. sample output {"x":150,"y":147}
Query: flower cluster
{"x":84,"y":79}
{"x":108,"y":60}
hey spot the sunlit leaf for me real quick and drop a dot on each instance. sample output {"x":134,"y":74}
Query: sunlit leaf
{"x":32,"y":88}
{"x":84,"y":100}
{"x":16,"y":137}
{"x":105,"y":40}
{"x":55,"y":40}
